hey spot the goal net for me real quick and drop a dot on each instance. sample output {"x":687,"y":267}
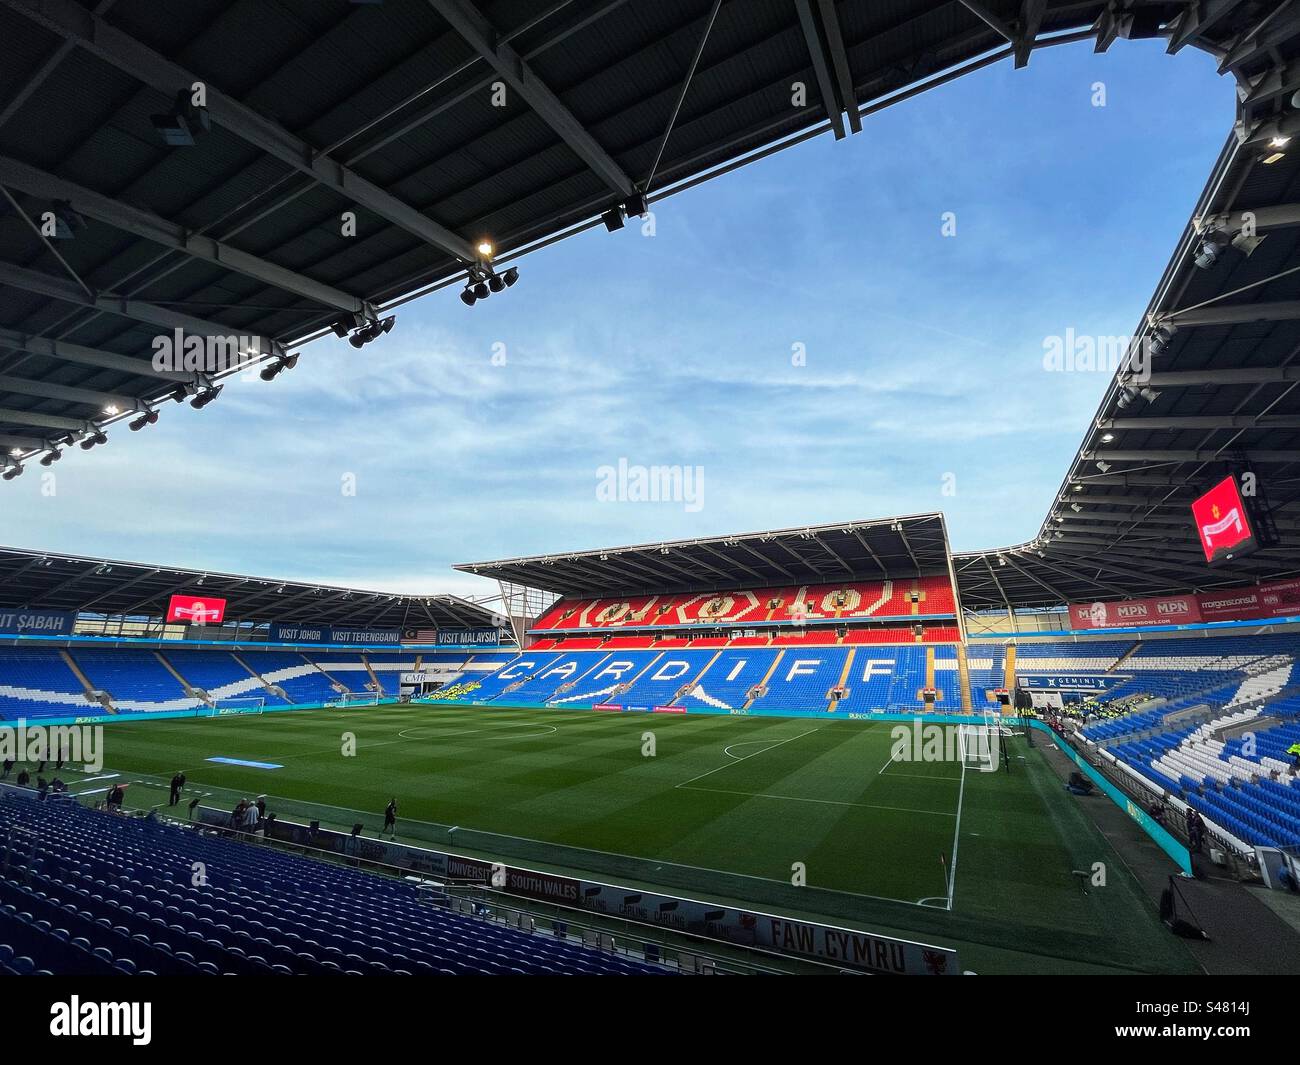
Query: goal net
{"x":233,"y":707}
{"x":367,"y":699}
{"x":980,"y":745}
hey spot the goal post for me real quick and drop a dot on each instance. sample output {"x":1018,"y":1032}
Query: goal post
{"x":342,"y":702}
{"x":980,"y":745}
{"x":234,"y":707}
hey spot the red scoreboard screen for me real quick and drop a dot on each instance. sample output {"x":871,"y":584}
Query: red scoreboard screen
{"x":1223,"y":523}
{"x":196,"y":609}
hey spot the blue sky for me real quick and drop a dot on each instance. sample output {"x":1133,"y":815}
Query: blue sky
{"x":923,"y":355}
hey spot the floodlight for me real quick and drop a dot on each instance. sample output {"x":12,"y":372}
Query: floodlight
{"x":202,"y":400}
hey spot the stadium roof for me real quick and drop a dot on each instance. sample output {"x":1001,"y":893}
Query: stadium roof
{"x":1223,"y":397}
{"x":387,"y":111}
{"x":31,"y":580}
{"x":857,"y":550}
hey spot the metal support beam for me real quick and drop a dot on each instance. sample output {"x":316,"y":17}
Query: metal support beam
{"x":150,"y":314}
{"x":1197,"y":19}
{"x":25,"y":387}
{"x":1265,"y":375}
{"x":79,"y":353}
{"x":1197,"y":421}
{"x":70,"y":20}
{"x":123,"y":216}
{"x":44,"y":421}
{"x":834,"y":36}
{"x":1235,"y":314}
{"x":821,"y":67}
{"x":1031,"y":19}
{"x":990,"y":20}
{"x":1278,"y":216}
{"x":481,"y":35}
{"x":1198,"y":455}
{"x":23,"y":443}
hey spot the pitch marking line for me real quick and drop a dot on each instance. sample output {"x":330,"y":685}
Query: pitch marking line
{"x":956,"y":834}
{"x":403,"y":734}
{"x":743,"y":758}
{"x":828,"y":802}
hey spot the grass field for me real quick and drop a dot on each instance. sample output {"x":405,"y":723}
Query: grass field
{"x":723,"y":809}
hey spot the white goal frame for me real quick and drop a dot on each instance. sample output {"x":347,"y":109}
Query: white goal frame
{"x":343,"y":702}
{"x":979,"y":745}
{"x":234,"y":707}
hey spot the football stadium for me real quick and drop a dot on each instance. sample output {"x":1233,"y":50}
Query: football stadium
{"x":829,"y":747}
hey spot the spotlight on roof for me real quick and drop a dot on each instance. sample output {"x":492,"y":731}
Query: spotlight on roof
{"x":511,"y":276}
{"x":341,"y":327}
{"x":1160,"y":338}
{"x":467,"y":297}
{"x":485,"y":249}
{"x":1001,"y":561}
{"x":481,"y":291}
{"x":93,"y":440}
{"x":1078,"y":488}
{"x":496,"y":283}
{"x":110,"y":410}
{"x":204,"y":398}
{"x":273,"y":369}
{"x":1104,"y":467}
{"x":1125,"y":399}
{"x":15,"y":451}
{"x":1207,"y":255}
{"x":1149,"y":394}
{"x":613,"y":219}
{"x":1076,"y":508}
{"x":178,"y":393}
{"x":636,"y":205}
{"x":180,"y":126}
{"x":52,"y":457}
{"x":14,"y":470}
{"x":1106,"y":438}
{"x":372,"y":330}
{"x":149,"y":417}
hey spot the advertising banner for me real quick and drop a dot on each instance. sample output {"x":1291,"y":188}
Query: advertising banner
{"x":37,"y":622}
{"x":287,"y":633}
{"x":1277,"y":599}
{"x":1125,"y":613}
{"x":469,"y":637}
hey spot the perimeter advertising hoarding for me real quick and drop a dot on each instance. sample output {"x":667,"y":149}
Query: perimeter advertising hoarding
{"x":37,"y":622}
{"x":284,"y":633}
{"x":839,"y":946}
{"x":1126,"y":613}
{"x":196,"y":609}
{"x":1223,"y":524}
{"x":469,"y":637}
{"x":1277,"y":599}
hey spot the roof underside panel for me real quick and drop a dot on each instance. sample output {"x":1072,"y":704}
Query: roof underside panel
{"x":392,"y":111}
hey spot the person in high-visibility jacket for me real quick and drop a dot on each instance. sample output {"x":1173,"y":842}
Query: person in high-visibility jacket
{"x":1294,"y":752}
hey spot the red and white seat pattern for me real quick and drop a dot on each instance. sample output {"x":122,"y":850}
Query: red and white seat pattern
{"x":859,"y":600}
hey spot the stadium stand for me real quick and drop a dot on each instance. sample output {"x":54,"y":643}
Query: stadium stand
{"x":925,"y":596}
{"x":97,"y":893}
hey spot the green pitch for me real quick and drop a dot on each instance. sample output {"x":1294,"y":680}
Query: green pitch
{"x":733,"y":808}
